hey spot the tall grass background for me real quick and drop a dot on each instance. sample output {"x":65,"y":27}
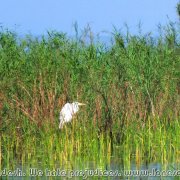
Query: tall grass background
{"x":131,"y":88}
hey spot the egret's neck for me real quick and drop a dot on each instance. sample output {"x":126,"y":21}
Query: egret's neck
{"x":75,"y":108}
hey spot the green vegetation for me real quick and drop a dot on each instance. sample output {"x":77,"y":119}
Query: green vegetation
{"x":178,"y":9}
{"x":132,"y":91}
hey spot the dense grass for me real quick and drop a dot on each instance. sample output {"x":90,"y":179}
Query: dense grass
{"x":132,"y":91}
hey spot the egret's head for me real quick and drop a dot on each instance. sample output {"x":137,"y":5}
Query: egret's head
{"x":76,"y":106}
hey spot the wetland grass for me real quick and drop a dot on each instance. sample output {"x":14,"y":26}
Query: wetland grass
{"x":131,"y":90}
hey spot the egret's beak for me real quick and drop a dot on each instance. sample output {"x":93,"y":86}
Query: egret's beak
{"x":81,"y":104}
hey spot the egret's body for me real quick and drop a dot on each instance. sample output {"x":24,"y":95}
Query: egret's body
{"x":67,"y":112}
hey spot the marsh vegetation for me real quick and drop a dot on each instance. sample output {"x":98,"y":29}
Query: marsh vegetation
{"x":131,"y":88}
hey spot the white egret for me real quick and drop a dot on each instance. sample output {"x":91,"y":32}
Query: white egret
{"x":67,"y":112}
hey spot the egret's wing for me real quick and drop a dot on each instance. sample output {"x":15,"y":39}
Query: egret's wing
{"x":66,"y":113}
{"x":62,"y":117}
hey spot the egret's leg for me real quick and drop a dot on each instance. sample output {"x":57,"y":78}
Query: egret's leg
{"x":61,"y":124}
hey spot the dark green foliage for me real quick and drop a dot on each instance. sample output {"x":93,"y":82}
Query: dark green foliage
{"x":178,"y":9}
